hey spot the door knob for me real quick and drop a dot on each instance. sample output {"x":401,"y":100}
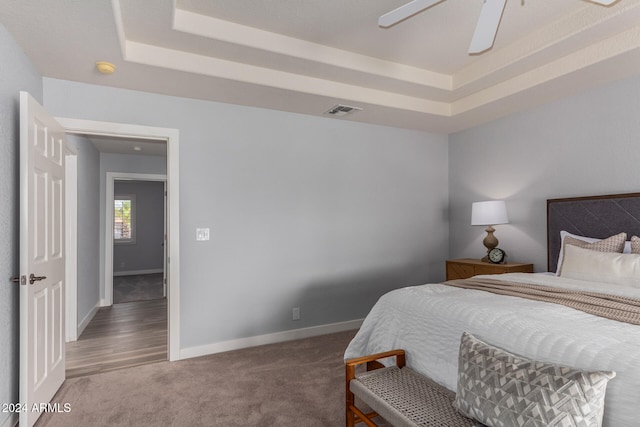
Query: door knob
{"x":33,"y":278}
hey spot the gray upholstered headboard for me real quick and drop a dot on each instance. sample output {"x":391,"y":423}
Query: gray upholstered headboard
{"x":596,"y":216}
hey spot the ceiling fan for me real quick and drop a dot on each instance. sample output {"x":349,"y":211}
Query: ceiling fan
{"x":486,"y":28}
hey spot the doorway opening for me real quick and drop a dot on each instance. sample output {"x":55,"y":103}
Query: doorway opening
{"x":126,"y":327}
{"x":170,"y":240}
{"x":139,"y":240}
{"x":135,"y":231}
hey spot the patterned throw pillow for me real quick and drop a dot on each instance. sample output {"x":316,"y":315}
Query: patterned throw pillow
{"x":501,"y":389}
{"x":610,"y":244}
{"x":635,"y":245}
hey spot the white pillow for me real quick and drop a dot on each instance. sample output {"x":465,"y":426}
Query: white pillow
{"x":602,"y":267}
{"x":563,"y":234}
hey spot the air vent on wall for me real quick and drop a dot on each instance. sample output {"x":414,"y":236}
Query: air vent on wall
{"x":342,"y":110}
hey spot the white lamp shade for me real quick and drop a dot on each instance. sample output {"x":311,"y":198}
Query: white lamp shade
{"x":489,"y":213}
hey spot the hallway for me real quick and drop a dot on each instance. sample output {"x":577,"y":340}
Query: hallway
{"x":120,"y":336}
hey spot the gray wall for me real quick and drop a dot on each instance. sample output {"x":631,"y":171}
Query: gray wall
{"x":311,"y":212}
{"x":147,"y":253}
{"x":88,"y":226}
{"x":126,"y":163}
{"x":584,"y":145}
{"x":16,"y":74}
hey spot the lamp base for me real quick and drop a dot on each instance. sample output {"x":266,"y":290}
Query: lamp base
{"x":489,"y":242}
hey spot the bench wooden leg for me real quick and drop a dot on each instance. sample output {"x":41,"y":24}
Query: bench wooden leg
{"x":352,"y":413}
{"x":361,"y":417}
{"x":350,"y":373}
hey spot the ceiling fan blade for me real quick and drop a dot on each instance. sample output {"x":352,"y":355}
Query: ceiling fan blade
{"x":604,"y":2}
{"x":403,"y":12}
{"x":487,"y":26}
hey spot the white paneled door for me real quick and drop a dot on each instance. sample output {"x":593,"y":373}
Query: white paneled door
{"x":42,"y":264}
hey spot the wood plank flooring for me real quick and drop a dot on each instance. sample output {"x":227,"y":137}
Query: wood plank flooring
{"x":120,"y":336}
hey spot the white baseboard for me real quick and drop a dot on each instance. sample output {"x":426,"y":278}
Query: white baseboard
{"x":83,"y":324}
{"x":277,"y":337}
{"x":12,"y":421}
{"x":137,"y":272}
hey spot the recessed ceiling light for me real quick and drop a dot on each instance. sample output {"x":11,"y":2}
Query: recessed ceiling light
{"x":137,"y":148}
{"x":105,"y":67}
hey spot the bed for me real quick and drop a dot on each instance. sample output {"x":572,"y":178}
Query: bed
{"x":428,"y":321}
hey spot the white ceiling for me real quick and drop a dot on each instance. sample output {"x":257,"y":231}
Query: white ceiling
{"x":129,"y":146}
{"x":306,"y":56}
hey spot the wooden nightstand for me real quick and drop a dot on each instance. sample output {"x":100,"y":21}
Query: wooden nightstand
{"x":464,"y":268}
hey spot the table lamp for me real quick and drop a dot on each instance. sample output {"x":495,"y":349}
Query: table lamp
{"x":489,"y":213}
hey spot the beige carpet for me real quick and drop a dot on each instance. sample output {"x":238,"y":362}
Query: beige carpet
{"x":297,"y":383}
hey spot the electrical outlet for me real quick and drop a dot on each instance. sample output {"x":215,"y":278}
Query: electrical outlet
{"x":295,"y":313}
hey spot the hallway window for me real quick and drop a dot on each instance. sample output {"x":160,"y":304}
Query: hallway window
{"x":124,"y":219}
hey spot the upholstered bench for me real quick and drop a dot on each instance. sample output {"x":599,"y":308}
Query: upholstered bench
{"x":398,"y":394}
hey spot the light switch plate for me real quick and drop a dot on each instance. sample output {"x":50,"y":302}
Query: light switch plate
{"x":202,"y":234}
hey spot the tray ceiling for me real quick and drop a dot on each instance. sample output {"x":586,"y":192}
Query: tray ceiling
{"x":306,"y":56}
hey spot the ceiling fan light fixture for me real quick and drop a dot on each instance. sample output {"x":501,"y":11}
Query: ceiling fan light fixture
{"x":487,"y":26}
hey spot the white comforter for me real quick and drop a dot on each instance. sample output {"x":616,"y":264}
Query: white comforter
{"x":427,"y":321}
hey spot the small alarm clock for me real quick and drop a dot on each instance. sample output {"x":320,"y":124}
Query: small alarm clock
{"x":497,"y":256}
